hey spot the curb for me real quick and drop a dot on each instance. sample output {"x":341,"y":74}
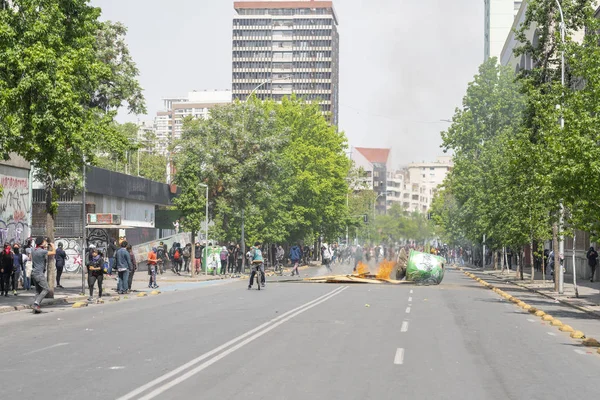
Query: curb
{"x":596,"y":314}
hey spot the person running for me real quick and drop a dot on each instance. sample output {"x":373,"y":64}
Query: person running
{"x":39,"y":258}
{"x":6,"y":269}
{"x":133,"y":267}
{"x":123,"y":265}
{"x":61,"y":257}
{"x":152,"y":265}
{"x":295,"y":257}
{"x":257,"y":265}
{"x":95,"y":269}
{"x":358,"y":256}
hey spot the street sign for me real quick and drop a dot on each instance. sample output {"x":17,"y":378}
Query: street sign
{"x":104,"y":219}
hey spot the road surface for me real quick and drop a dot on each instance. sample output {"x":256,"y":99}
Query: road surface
{"x":297,"y":341}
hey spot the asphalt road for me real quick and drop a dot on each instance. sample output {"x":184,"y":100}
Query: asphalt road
{"x":296,"y":341}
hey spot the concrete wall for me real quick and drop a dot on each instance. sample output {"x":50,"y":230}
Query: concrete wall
{"x":15,"y":203}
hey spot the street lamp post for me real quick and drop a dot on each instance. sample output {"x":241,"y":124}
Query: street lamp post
{"x":559,"y":285}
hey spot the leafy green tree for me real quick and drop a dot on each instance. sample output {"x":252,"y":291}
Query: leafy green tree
{"x":62,"y":80}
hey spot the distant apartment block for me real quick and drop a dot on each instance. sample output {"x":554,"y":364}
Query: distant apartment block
{"x":287,"y":47}
{"x":375,"y":163}
{"x":415,"y":186}
{"x":168,"y":124}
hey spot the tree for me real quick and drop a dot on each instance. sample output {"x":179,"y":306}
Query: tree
{"x":63,"y":75}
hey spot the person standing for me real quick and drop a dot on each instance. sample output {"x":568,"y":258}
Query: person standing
{"x":592,"y":256}
{"x":110,"y":253}
{"x":6,"y":269}
{"x":224,"y":255}
{"x":231,"y":261}
{"x":39,"y":258}
{"x":187,"y":254}
{"x":123,"y":265}
{"x":162,"y":257}
{"x":197,"y":257}
{"x":61,"y":257}
{"x":95,"y":269}
{"x":18,"y":266}
{"x":133,"y":267}
{"x":152,"y":265}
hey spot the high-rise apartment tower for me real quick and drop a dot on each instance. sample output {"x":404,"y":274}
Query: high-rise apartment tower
{"x":498,"y":20}
{"x":286,"y":47}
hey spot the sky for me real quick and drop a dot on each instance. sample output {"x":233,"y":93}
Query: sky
{"x":404,"y":64}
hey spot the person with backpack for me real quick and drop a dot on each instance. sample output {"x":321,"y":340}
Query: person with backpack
{"x":187,"y":253}
{"x":95,"y":268}
{"x":592,"y":257}
{"x":295,"y":257}
{"x":61,"y":257}
{"x":257,"y":265}
{"x":177,"y":258}
{"x":224,"y":255}
{"x":162,"y":257}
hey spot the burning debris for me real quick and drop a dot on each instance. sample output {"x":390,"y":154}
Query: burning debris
{"x":419,"y":268}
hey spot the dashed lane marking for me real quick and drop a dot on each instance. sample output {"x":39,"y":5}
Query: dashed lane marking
{"x":404,"y":326}
{"x":399,"y":358}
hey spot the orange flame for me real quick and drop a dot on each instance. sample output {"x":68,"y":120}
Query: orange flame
{"x":385,"y":270}
{"x":361,"y":269}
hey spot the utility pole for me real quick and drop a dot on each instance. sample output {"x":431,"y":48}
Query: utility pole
{"x":83,"y":229}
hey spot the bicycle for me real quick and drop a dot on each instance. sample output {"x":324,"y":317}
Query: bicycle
{"x":258,"y":272}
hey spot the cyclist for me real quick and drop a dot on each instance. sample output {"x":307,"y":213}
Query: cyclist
{"x":257,"y":264}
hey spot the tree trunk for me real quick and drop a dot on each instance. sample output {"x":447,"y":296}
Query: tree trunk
{"x":50,"y":216}
{"x":193,"y":255}
{"x":556,"y":255}
{"x":503,"y":263}
{"x":495,"y":260}
{"x":522,"y":260}
{"x":531,"y":259}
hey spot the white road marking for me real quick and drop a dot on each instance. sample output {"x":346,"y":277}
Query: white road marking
{"x":411,"y":291}
{"x":531,"y":320}
{"x":46,"y":348}
{"x":250,"y":336}
{"x":399,"y":359}
{"x":408,"y":310}
{"x":117,"y":367}
{"x":410,"y":299}
{"x":579,"y":351}
{"x":551,"y":333}
{"x":404,"y":326}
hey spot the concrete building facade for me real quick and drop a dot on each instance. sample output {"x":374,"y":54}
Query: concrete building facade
{"x":498,"y":21}
{"x":289,"y":47}
{"x":375,"y":163}
{"x":169,"y":122}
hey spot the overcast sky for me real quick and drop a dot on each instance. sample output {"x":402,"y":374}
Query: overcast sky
{"x":404,"y":64}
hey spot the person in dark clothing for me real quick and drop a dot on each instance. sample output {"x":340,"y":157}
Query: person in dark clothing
{"x":123,"y":265}
{"x":18,"y":267}
{"x":239,"y":259}
{"x":6,"y":269}
{"x":231,"y":259}
{"x":133,"y":266}
{"x":592,"y":256}
{"x":61,"y":257}
{"x":95,"y":273}
{"x":110,"y":253}
{"x":39,"y":259}
{"x":198,"y":257}
{"x":187,"y":255}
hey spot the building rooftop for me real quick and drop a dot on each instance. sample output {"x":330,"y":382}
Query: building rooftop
{"x":374,"y":155}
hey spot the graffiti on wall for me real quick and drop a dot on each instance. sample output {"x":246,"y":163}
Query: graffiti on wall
{"x":73,"y":249}
{"x":99,"y":238}
{"x":141,"y":251}
{"x":15,"y":207}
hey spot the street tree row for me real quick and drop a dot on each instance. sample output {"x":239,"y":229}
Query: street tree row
{"x":517,"y":172}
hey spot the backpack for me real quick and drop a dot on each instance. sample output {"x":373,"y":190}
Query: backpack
{"x":160,"y":253}
{"x":176,"y":256}
{"x":186,"y":251}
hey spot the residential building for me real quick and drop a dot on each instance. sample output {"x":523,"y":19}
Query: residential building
{"x":375,"y":163}
{"x":415,"y":186}
{"x":169,"y":122}
{"x":286,"y":47}
{"x":498,"y":21}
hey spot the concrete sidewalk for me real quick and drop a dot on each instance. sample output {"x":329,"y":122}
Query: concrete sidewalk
{"x":589,"y":292}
